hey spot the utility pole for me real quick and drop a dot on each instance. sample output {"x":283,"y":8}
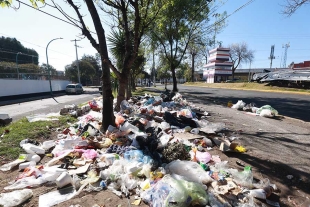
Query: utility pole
{"x":77,"y":60}
{"x":271,"y":57}
{"x":286,"y":46}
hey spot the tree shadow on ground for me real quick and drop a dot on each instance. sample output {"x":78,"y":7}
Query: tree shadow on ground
{"x":290,"y":107}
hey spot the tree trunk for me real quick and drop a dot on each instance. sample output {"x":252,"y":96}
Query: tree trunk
{"x":122,"y":86}
{"x":233,"y":73}
{"x":193,"y":67}
{"x":128,"y":93}
{"x":107,"y":97}
{"x":133,"y":83}
{"x":175,"y":87}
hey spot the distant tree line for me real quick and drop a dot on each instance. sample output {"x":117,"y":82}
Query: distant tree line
{"x":10,"y":47}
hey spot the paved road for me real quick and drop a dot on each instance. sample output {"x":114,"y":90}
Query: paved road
{"x":46,"y":105}
{"x":291,"y":105}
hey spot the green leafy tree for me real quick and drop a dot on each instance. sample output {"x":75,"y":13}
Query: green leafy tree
{"x":133,"y":16}
{"x":11,"y":50}
{"x":178,"y":22}
{"x":95,"y":62}
{"x":45,"y":69}
{"x":87,"y":71}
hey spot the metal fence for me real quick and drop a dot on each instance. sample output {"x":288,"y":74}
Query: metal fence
{"x":31,"y":76}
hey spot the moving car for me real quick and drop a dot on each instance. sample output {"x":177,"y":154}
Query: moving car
{"x":74,"y":89}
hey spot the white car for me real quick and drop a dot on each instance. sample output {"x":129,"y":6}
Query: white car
{"x":74,"y":89}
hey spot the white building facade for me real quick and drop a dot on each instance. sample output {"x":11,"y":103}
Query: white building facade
{"x":219,"y":67}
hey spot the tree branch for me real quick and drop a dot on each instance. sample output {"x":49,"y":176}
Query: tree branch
{"x":85,"y":31}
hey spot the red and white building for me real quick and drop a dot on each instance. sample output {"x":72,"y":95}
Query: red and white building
{"x":219,"y":67}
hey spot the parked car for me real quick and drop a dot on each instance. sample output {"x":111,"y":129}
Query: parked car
{"x":74,"y":89}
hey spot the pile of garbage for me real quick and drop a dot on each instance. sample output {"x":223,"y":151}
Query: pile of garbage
{"x":264,"y":111}
{"x":158,"y":151}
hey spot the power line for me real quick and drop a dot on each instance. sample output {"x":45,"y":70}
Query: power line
{"x":54,"y":15}
{"x":20,"y":53}
{"x":241,"y":7}
{"x":47,"y":13}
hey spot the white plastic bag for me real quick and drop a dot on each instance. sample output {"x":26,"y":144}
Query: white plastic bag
{"x":267,"y":113}
{"x":15,"y":198}
{"x":26,"y":182}
{"x":9,"y":166}
{"x":239,"y":105}
{"x":192,"y":171}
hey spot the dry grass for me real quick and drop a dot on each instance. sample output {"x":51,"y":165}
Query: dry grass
{"x":250,"y":86}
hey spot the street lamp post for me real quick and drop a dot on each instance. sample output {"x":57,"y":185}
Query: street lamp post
{"x":17,"y":64}
{"x":49,"y":71}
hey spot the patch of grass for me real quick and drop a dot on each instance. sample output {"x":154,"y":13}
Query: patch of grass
{"x":22,"y":129}
{"x":249,"y":86}
{"x":142,"y":91}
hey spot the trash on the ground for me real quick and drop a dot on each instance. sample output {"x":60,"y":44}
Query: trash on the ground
{"x":43,"y":117}
{"x":158,"y":150}
{"x":15,"y":198}
{"x":239,"y":105}
{"x":5,"y":119}
{"x":289,"y":177}
{"x":56,"y":197}
{"x":264,"y":111}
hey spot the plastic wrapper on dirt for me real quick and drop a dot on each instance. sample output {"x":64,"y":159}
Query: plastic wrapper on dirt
{"x":191,"y":171}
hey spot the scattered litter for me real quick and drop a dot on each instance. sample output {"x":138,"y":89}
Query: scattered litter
{"x":160,"y":150}
{"x":5,"y":119}
{"x":15,"y":198}
{"x":289,"y":177}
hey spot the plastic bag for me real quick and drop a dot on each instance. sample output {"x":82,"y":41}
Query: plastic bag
{"x":25,"y":182}
{"x":196,"y":155}
{"x":119,"y":120}
{"x":172,"y":192}
{"x":9,"y":166}
{"x":239,"y":105}
{"x":211,"y":128}
{"x":56,"y":197}
{"x":186,"y":112}
{"x":267,"y":113}
{"x":15,"y":198}
{"x":192,"y":171}
{"x":273,"y":111}
{"x":244,"y":178}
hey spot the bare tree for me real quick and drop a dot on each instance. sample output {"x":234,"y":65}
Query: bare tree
{"x":240,"y":53}
{"x":291,"y":6}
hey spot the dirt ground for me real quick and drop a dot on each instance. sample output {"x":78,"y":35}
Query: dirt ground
{"x":276,"y":148}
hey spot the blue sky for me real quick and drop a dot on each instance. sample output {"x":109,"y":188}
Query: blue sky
{"x":260,"y":25}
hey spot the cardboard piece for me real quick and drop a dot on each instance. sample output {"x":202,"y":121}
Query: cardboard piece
{"x":225,"y":145}
{"x":79,"y":170}
{"x":187,"y":136}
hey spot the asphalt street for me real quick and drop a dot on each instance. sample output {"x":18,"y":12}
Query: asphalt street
{"x":291,"y":105}
{"x":46,"y":105}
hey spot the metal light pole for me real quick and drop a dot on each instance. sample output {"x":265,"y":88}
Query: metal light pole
{"x":49,"y":71}
{"x":17,"y":64}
